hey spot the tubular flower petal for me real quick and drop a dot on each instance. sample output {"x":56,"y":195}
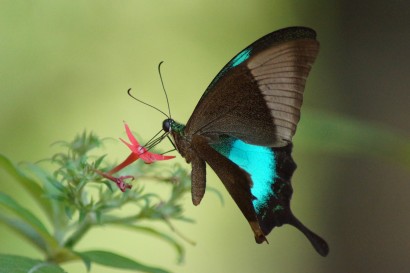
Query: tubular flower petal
{"x":137,"y":151}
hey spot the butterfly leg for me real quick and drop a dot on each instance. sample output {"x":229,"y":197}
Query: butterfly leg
{"x":198,"y":178}
{"x":173,"y":144}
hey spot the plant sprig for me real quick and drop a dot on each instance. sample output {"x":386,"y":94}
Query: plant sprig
{"x":75,"y":198}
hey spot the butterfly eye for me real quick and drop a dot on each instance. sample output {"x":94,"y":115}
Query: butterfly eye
{"x":166,"y":125}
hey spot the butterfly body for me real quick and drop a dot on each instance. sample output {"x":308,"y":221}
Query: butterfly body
{"x":242,"y":127}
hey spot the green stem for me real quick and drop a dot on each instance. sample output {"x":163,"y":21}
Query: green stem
{"x":80,"y":232}
{"x":62,"y":255}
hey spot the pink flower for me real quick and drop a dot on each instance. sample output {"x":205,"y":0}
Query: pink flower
{"x":120,"y":181}
{"x":141,"y":152}
{"x":137,"y":151}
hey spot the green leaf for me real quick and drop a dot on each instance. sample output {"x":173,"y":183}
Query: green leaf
{"x":19,"y":264}
{"x":85,"y":259}
{"x":118,"y":261}
{"x":30,"y":185}
{"x":98,"y":162}
{"x":22,"y":212}
{"x":24,"y":230}
{"x":331,"y":133}
{"x":55,"y":192}
{"x":177,"y":246}
{"x":28,"y":218}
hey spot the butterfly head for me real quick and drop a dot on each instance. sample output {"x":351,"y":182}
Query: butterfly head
{"x":167,"y":125}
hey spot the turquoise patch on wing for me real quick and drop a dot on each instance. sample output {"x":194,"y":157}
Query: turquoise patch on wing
{"x":258,"y":161}
{"x":241,"y":57}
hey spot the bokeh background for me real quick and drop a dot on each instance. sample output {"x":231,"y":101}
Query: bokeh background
{"x":65,"y":67}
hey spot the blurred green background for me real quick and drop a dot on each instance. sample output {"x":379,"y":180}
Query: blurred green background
{"x":65,"y":66}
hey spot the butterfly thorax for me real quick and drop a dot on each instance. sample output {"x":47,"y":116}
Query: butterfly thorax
{"x":181,"y":140}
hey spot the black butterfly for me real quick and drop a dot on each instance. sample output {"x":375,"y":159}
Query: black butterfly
{"x":243,"y":127}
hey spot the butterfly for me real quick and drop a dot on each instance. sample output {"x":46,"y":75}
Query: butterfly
{"x":242,"y":127}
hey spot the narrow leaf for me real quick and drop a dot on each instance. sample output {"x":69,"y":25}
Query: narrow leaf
{"x":24,"y":230}
{"x":27,"y":183}
{"x":177,"y":246}
{"x":345,"y":136}
{"x":19,"y":264}
{"x":8,"y":202}
{"x":28,"y":218}
{"x":118,"y":261}
{"x":85,"y":259}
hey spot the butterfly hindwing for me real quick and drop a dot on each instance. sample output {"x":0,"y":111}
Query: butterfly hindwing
{"x":236,"y":181}
{"x":269,"y":178}
{"x":259,"y":180}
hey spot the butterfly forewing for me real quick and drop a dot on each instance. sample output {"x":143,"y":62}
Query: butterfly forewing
{"x":281,"y":72}
{"x":264,"y":85}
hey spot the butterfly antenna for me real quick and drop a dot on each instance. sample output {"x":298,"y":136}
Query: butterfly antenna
{"x":163,"y":87}
{"x":147,"y":104}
